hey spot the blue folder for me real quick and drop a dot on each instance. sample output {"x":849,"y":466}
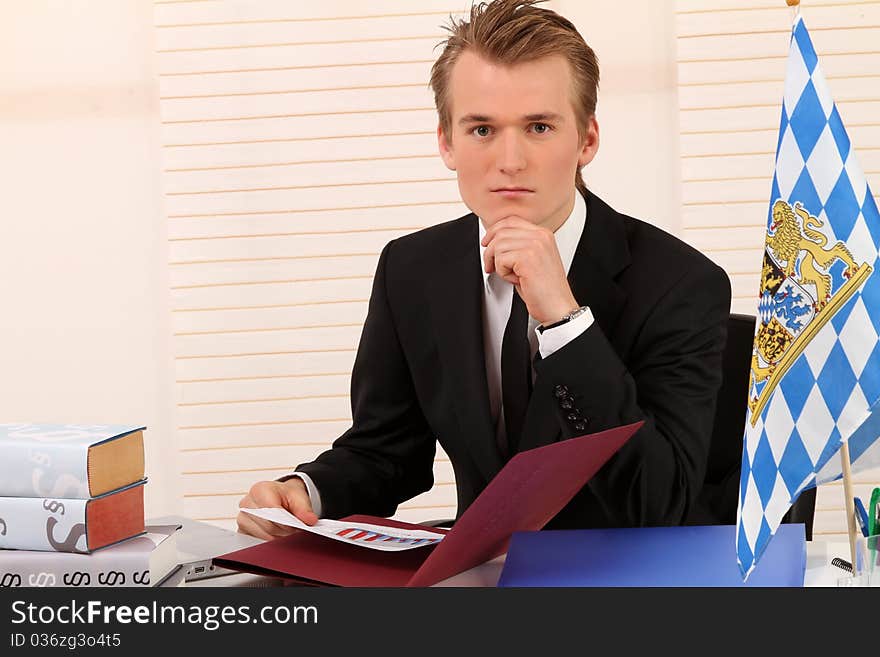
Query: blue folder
{"x":650,"y":556}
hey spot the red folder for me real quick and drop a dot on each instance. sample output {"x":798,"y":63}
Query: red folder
{"x":531,"y":488}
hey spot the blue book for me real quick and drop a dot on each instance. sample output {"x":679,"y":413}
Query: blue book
{"x":650,"y":556}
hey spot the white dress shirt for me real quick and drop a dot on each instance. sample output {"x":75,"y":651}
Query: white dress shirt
{"x":497,"y":299}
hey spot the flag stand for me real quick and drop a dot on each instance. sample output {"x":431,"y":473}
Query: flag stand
{"x":849,"y":500}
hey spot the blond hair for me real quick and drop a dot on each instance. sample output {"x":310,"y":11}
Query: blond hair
{"x":515,"y":31}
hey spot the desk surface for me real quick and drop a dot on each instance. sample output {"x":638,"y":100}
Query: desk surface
{"x":819,"y":571}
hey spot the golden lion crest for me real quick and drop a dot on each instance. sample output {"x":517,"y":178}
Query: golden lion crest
{"x":788,"y":241}
{"x":798,"y":294}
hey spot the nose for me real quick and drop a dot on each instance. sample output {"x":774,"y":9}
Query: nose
{"x":511,"y":157}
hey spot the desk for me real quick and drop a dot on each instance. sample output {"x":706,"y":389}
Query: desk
{"x":819,"y":571}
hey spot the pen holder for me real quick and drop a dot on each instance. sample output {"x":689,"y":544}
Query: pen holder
{"x":866,"y":570}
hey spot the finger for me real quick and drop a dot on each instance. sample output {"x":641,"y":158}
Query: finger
{"x":511,"y":222}
{"x":307,"y":516}
{"x":294,"y":496}
{"x":513,"y":244}
{"x":489,"y":259}
{"x":506,"y":267}
{"x":524,"y":229}
{"x":247,"y":525}
{"x":301,"y":506}
{"x":499,"y":248}
{"x":264,"y":526}
{"x":264,"y":494}
{"x":512,"y":276}
{"x":514,"y":280}
{"x":247,"y":502}
{"x":520,"y":259}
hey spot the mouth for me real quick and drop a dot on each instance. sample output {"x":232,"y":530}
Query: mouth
{"x":512,"y":192}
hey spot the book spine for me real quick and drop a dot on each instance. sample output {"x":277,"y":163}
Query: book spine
{"x":54,"y":525}
{"x":78,"y":570}
{"x":42,"y":468}
{"x":125,"y":564}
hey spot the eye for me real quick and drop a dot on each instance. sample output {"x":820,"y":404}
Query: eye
{"x":541,"y":128}
{"x":482,"y":131}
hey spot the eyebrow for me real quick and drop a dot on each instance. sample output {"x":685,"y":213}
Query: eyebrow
{"x":482,"y":118}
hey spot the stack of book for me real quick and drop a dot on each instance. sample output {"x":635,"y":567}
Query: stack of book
{"x":72,"y":508}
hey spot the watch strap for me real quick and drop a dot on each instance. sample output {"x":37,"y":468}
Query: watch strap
{"x":577,"y":312}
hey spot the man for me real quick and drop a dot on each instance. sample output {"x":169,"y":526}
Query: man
{"x":541,"y":316}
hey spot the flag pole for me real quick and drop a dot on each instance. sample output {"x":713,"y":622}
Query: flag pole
{"x":849,"y":500}
{"x":849,"y":497}
{"x":844,"y":454}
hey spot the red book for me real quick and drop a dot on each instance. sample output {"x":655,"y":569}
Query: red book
{"x":72,"y":524}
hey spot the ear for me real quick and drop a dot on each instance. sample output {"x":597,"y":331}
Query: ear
{"x":445,"y":146}
{"x":591,"y":143}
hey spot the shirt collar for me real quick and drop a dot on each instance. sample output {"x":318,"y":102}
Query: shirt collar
{"x":568,"y":235}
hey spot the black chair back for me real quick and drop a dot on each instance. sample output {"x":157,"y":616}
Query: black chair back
{"x":718,"y":499}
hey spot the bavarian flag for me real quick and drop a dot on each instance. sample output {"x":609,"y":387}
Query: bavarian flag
{"x":815,"y":370}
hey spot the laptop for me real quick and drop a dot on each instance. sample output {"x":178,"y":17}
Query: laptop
{"x":199,"y":542}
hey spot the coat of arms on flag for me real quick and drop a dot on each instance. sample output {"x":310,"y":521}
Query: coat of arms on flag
{"x":804,"y":282}
{"x":815,"y":371}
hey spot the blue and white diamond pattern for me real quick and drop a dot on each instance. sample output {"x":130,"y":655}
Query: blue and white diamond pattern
{"x":765,"y":307}
{"x":830,"y":391}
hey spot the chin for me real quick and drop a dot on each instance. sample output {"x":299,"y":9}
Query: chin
{"x":524,"y":208}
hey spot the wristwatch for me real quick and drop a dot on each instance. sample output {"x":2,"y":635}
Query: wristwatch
{"x":577,"y":312}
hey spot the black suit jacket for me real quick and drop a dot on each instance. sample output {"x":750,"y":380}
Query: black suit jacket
{"x":653,"y":354}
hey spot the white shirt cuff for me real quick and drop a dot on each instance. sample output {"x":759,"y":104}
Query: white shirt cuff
{"x":554,"y":339}
{"x":314,"y":495}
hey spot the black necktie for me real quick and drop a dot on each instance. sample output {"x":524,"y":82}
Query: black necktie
{"x":516,"y":373}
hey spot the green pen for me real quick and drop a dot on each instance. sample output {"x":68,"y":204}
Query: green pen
{"x":873,"y":528}
{"x":874,"y":511}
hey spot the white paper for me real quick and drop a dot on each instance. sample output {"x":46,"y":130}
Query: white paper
{"x":374,"y":537}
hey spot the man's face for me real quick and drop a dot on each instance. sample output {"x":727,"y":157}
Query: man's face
{"x":514,"y":140}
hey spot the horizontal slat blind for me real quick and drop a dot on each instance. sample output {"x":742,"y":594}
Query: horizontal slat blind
{"x":731,"y":69}
{"x":298,"y":139}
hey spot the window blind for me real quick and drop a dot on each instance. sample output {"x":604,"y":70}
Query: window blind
{"x":298,"y":139}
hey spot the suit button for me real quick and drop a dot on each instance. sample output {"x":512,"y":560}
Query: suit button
{"x":566,"y":404}
{"x":560,"y":391}
{"x":573,"y":416}
{"x":581,"y":426}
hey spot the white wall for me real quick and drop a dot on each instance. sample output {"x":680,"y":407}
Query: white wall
{"x":637,"y":169}
{"x":83,"y":274}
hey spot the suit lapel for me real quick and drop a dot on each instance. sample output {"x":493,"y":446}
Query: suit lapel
{"x":457,"y":314}
{"x":602,"y":253}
